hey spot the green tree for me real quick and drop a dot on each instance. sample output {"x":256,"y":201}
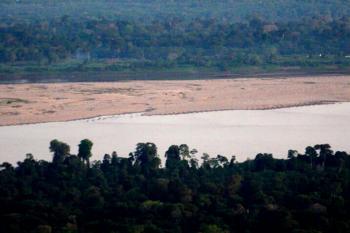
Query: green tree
{"x":84,"y":152}
{"x":60,"y":151}
{"x":172,"y":157}
{"x":324,"y":153}
{"x":312,"y":153}
{"x":146,"y":155}
{"x":184,"y":151}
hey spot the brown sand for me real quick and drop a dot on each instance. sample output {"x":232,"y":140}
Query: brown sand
{"x":34,"y":103}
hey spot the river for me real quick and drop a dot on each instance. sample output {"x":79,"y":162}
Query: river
{"x":243,"y":133}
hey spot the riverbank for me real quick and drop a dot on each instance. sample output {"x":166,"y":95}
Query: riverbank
{"x":52,"y":102}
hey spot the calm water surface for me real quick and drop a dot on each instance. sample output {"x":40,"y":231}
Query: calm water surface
{"x":243,"y":133}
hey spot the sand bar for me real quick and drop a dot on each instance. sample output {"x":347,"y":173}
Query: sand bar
{"x":37,"y":103}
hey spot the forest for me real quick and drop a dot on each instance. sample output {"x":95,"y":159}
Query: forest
{"x":125,"y":45}
{"x":158,"y":35}
{"x":306,"y":192}
{"x":149,"y":10}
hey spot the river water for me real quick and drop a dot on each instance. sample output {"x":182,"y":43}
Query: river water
{"x":243,"y":133}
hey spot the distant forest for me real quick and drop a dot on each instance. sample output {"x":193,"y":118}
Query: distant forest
{"x":305,"y":193}
{"x":149,"y":10}
{"x":131,"y":35}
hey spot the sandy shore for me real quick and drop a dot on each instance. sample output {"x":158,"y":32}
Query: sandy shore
{"x":34,"y":103}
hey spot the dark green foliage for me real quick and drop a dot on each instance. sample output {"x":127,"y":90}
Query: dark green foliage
{"x":304,"y":193}
{"x":173,"y":157}
{"x":117,"y":45}
{"x":146,"y":156}
{"x":150,"y":10}
{"x":84,"y":153}
{"x":60,"y":151}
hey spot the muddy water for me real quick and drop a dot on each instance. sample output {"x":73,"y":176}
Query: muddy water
{"x":242,"y":133}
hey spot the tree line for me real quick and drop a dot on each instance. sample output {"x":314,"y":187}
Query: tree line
{"x":148,"y":10}
{"x":174,"y":42}
{"x":305,"y":193}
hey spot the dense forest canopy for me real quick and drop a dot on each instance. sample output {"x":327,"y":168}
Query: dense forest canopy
{"x":306,"y":193}
{"x":148,"y":10}
{"x":175,"y":42}
{"x":111,"y":35}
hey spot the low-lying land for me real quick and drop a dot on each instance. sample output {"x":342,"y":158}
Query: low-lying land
{"x":35,"y":103}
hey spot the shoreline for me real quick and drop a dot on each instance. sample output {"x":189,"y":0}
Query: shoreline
{"x":250,"y":109}
{"x":130,"y":76}
{"x":180,"y":113}
{"x":59,"y":102}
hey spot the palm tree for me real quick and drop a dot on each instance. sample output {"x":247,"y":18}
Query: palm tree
{"x":84,"y":153}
